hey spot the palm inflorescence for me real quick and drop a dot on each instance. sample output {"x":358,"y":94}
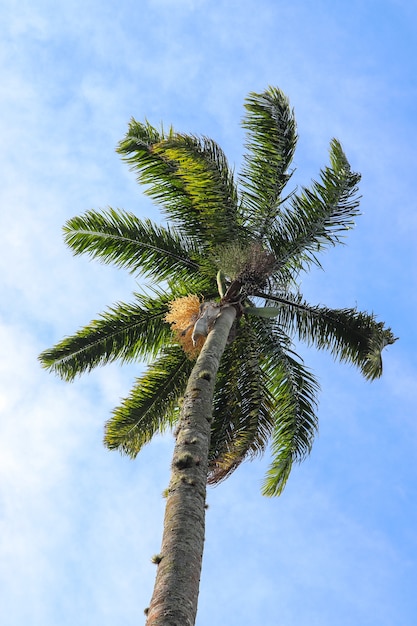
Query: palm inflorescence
{"x":237,"y":239}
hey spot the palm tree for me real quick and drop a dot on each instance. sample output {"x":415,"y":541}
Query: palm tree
{"x":218,"y":317}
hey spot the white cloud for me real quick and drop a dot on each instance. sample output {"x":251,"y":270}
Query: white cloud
{"x":60,"y":488}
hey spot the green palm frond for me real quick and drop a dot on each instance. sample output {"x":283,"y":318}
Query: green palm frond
{"x":208,"y":180}
{"x":140,"y":246}
{"x":189,"y":176}
{"x":125,"y":332}
{"x":151,"y":406}
{"x":349,"y":335}
{"x":242,"y":410}
{"x":316,"y":218}
{"x":271,"y":141}
{"x":294,"y":391}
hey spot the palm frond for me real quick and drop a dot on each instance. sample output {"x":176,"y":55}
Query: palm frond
{"x":296,"y":421}
{"x":294,"y":391}
{"x":189,"y":176}
{"x":151,"y":406}
{"x":140,"y":246}
{"x":125,"y":332}
{"x":271,"y":141}
{"x":242,"y":418}
{"x":208,"y":181}
{"x":351,"y":336}
{"x":318,"y":216}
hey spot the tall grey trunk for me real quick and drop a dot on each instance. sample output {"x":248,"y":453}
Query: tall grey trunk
{"x":175,"y":595}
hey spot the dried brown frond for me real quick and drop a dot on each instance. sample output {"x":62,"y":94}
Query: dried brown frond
{"x":182,"y":315}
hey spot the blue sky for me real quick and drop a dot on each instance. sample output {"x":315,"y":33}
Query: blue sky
{"x":79,"y":524}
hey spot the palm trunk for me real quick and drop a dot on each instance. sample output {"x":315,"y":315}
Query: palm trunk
{"x":174,"y":600}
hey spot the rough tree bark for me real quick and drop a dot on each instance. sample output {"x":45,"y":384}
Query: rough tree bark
{"x":175,"y":595}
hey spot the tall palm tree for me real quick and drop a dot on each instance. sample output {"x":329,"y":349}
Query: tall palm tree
{"x":218,"y":318}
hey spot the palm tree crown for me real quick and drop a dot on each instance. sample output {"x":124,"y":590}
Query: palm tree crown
{"x":237,"y":241}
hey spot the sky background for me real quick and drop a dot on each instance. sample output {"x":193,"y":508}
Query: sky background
{"x":79,"y":524}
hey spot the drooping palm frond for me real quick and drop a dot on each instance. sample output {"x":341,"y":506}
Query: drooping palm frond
{"x":125,"y":332}
{"x":189,"y":176}
{"x":318,"y":216}
{"x":150,"y":407}
{"x":271,"y":141}
{"x":140,"y":246}
{"x":294,"y":391}
{"x":349,"y":335}
{"x":242,"y":409}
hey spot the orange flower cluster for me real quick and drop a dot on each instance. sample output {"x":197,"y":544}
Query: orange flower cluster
{"x":182,"y":315}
